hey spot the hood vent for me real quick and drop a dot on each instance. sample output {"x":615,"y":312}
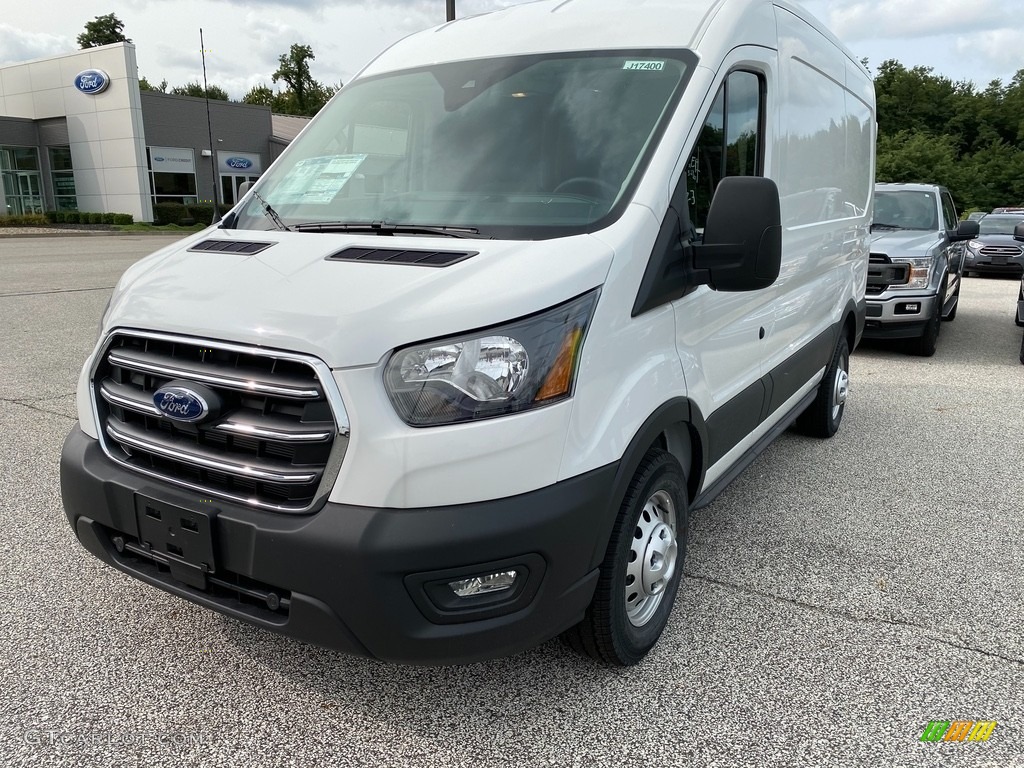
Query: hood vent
{"x":247,"y":248}
{"x":425,"y":258}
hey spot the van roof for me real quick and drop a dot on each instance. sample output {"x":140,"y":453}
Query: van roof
{"x":549,"y":26}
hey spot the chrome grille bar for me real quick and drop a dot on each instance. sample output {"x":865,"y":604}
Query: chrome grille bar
{"x":261,"y":383}
{"x":257,"y":469}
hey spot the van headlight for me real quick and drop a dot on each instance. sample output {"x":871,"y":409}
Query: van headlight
{"x":920,"y":271}
{"x":510,"y":368}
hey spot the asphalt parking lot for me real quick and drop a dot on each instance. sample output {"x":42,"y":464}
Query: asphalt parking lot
{"x":839,"y":595}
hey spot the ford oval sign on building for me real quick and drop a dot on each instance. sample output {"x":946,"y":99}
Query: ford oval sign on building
{"x":241,"y":163}
{"x":92,"y":81}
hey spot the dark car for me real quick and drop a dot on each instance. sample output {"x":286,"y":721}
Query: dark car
{"x":994,"y":251}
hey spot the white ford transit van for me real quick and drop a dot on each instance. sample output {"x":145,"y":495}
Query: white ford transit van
{"x":531,"y":288}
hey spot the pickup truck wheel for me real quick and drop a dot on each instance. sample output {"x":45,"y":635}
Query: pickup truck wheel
{"x":823,"y":416}
{"x":925,"y":344}
{"x":1022,"y":350}
{"x":642,"y":567}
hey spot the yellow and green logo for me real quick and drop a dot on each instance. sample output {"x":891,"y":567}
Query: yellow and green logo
{"x":958,"y":730}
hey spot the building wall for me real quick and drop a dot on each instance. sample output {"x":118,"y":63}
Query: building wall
{"x":104,"y":130}
{"x":181,"y":121}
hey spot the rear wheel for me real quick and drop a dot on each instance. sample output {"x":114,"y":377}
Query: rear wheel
{"x":1022,"y":350}
{"x":823,"y":416}
{"x":642,"y":567}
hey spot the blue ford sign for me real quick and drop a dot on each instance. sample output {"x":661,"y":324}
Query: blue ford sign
{"x":239,"y":162}
{"x":92,"y":81}
{"x":181,"y":403}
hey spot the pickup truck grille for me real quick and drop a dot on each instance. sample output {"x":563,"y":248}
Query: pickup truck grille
{"x":275,"y":439}
{"x":882,"y":273}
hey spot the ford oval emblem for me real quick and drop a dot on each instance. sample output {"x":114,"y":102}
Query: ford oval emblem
{"x":181,"y":403}
{"x":92,"y":81}
{"x":239,"y":162}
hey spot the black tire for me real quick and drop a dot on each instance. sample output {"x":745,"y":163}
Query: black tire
{"x":925,"y":344}
{"x":823,"y":416}
{"x":616,"y":629}
{"x":1022,"y":350}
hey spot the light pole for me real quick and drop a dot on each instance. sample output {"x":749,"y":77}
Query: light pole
{"x":209,"y":128}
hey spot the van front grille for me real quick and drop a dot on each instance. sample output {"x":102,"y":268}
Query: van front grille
{"x":274,"y":436}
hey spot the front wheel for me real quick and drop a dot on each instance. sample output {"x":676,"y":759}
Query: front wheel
{"x":823,"y":416}
{"x":925,"y":344}
{"x":642,"y":567}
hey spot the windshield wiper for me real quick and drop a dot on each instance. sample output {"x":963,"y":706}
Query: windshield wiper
{"x":271,"y":214}
{"x":878,"y":225}
{"x":384,"y":229}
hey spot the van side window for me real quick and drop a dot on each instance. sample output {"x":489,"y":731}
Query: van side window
{"x":730,"y":144}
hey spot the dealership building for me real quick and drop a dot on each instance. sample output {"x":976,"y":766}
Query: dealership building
{"x":77,"y":133}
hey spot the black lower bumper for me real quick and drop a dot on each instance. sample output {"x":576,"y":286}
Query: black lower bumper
{"x":371,"y":582}
{"x":874,"y":329}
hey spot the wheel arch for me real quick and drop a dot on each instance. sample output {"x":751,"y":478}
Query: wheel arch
{"x":678,"y":427}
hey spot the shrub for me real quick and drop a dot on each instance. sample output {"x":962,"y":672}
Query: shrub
{"x":51,"y":217}
{"x":201,"y":213}
{"x":23,"y":220}
{"x":169,"y":213}
{"x":95,"y":217}
{"x":71,"y":217}
{"x":123,"y":218}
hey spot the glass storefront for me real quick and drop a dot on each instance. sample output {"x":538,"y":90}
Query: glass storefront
{"x":22,"y":182}
{"x":63,"y":177}
{"x":172,"y":175}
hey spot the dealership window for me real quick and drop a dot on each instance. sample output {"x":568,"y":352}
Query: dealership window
{"x":63,"y":175}
{"x":22,"y":182}
{"x":236,"y":168}
{"x":172,"y":174}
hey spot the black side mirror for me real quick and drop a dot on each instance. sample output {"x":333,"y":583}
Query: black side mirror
{"x":742,"y":245}
{"x":1018,"y":232}
{"x":965,"y":230}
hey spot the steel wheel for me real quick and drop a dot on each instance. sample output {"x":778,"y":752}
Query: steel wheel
{"x":652,"y":558}
{"x":642,"y":567}
{"x":841,"y":387}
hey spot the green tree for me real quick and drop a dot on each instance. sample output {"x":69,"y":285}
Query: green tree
{"x":145,"y":85}
{"x":195,"y":89}
{"x":259,"y":94}
{"x":304,"y":95}
{"x":103,"y":30}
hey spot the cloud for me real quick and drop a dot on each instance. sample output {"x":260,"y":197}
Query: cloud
{"x":1000,"y":49}
{"x":872,"y":19}
{"x":17,"y":46}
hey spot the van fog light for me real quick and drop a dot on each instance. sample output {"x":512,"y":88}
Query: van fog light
{"x":483,"y":585}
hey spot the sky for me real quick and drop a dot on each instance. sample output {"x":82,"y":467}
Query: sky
{"x":977,"y":41}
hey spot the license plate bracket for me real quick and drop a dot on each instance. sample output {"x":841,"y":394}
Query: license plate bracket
{"x":181,"y":538}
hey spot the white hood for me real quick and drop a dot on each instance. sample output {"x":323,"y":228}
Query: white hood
{"x":348,"y":314}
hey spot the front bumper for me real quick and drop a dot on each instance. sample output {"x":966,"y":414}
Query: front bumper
{"x":889,"y":315}
{"x":984,"y":265}
{"x":361,"y":580}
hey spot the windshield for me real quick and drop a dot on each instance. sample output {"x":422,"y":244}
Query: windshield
{"x":522,"y":147}
{"x":906,"y":209}
{"x":999,"y":225}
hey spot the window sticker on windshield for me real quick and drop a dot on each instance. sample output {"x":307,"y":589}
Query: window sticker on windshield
{"x":650,"y":66}
{"x":316,"y":180}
